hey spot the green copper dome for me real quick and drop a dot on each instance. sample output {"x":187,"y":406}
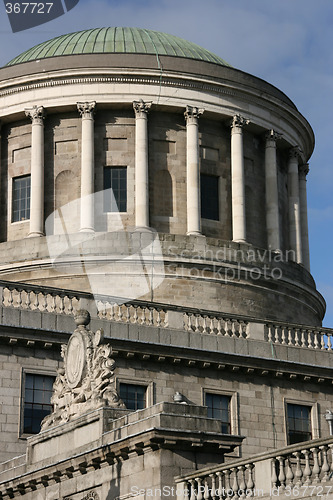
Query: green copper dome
{"x":117,"y":40}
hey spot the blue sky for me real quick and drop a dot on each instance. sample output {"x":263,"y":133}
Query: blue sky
{"x":288,"y":43}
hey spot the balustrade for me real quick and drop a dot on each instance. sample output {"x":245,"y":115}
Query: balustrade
{"x":59,"y":301}
{"x":299,"y":470}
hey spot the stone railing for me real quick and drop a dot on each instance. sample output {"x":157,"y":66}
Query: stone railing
{"x":303,"y":470}
{"x":47,"y":299}
{"x":299,"y":336}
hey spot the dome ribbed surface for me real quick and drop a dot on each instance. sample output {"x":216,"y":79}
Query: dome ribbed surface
{"x":117,"y":41}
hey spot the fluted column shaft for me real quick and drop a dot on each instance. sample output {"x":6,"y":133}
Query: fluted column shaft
{"x":295,"y":239}
{"x":141,"y":110}
{"x":303,"y":171}
{"x":193,"y":170}
{"x":237,"y":179}
{"x":37,"y":115}
{"x":272,"y":196}
{"x":86,"y":110}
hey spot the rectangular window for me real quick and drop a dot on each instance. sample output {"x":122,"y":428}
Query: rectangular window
{"x":21,"y":198}
{"x":37,"y":401}
{"x":219,"y":408}
{"x":115,"y":181}
{"x":299,"y":423}
{"x":134,"y":396}
{"x":209,"y":197}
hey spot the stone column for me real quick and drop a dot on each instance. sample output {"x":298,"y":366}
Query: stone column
{"x":86,"y":110}
{"x":237,"y":179}
{"x":303,"y":172}
{"x":295,"y":240}
{"x":193,"y":170}
{"x":272,"y":196}
{"x":37,"y":115}
{"x":141,"y":110}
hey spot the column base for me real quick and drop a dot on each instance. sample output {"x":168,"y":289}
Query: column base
{"x":143,"y":229}
{"x":87,"y":230}
{"x":194,"y":233}
{"x":35,"y":234}
{"x":241,"y":241}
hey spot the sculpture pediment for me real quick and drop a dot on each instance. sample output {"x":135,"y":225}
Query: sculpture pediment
{"x":86,"y":381}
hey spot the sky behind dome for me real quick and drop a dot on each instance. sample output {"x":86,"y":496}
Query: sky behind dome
{"x":288,"y":43}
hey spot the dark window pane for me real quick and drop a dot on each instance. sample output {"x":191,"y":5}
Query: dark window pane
{"x":209,"y":197}
{"x":21,"y":198}
{"x":134,"y":396}
{"x":37,"y":401}
{"x":115,"y":179}
{"x":219,"y":408}
{"x":299,"y":423}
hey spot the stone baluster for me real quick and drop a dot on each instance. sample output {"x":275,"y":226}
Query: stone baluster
{"x":307,"y":469}
{"x":325,"y":468}
{"x":282,"y":476}
{"x":274,"y":477}
{"x":250,"y":482}
{"x":289,"y":474}
{"x":193,"y":490}
{"x":220,"y":486}
{"x":86,"y":110}
{"x":227,"y":474}
{"x":235,"y":484}
{"x":37,"y":116}
{"x":242,"y":483}
{"x":295,"y":240}
{"x":213,"y":486}
{"x":238,"y":179}
{"x":272,"y":194}
{"x":303,"y":172}
{"x":298,"y":472}
{"x":199,"y":488}
{"x":141,"y":110}
{"x":192,"y":115}
{"x":206,"y":490}
{"x":315,"y":468}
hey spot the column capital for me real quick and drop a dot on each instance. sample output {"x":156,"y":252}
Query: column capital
{"x":86,"y":109}
{"x":295,"y":153}
{"x":239,"y":121}
{"x":303,"y":170}
{"x":141,"y":108}
{"x":36,"y":114}
{"x":272,"y":135}
{"x":193,"y":113}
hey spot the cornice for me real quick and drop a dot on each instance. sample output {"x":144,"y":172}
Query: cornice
{"x":238,"y":90}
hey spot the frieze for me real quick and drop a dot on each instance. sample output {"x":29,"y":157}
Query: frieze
{"x":86,"y":380}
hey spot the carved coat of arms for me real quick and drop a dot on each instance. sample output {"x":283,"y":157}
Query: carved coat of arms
{"x":86,"y":381}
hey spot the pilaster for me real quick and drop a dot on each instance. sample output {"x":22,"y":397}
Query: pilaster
{"x":272,"y":193}
{"x":141,"y":110}
{"x":86,"y":110}
{"x":37,"y":116}
{"x":192,"y":115}
{"x":237,"y":179}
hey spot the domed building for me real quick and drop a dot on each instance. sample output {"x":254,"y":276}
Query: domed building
{"x":146,"y":180}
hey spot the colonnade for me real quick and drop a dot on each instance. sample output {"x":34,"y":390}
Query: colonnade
{"x":297,"y":207}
